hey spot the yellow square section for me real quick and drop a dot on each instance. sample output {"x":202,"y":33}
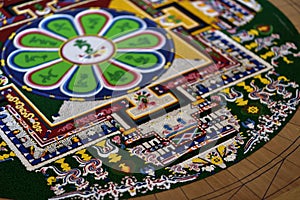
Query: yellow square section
{"x":182,"y":48}
{"x":185,"y":21}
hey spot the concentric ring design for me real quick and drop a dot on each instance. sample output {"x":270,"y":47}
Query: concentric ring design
{"x":90,"y":54}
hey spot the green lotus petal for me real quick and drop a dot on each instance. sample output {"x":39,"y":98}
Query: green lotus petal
{"x":123,"y":26}
{"x":116,"y":75}
{"x":83,"y":80}
{"x":39,"y":40}
{"x":93,"y":23}
{"x":28,"y":59}
{"x":62,"y":26}
{"x":138,"y":60}
{"x":50,"y":75}
{"x":144,"y":40}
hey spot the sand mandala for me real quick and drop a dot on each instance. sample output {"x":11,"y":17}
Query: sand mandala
{"x":113,"y":101}
{"x":93,"y":54}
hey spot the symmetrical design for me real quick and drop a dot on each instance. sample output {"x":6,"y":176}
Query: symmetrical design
{"x":228,"y":91}
{"x":92,"y":54}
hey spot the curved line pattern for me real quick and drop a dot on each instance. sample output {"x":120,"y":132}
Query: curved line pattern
{"x":79,"y":31}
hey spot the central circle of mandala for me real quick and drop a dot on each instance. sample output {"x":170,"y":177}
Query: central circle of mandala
{"x":88,"y":54}
{"x":87,"y":50}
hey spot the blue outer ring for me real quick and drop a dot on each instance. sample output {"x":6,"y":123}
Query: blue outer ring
{"x":17,"y":77}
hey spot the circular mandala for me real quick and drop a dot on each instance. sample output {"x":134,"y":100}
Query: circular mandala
{"x":90,"y":54}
